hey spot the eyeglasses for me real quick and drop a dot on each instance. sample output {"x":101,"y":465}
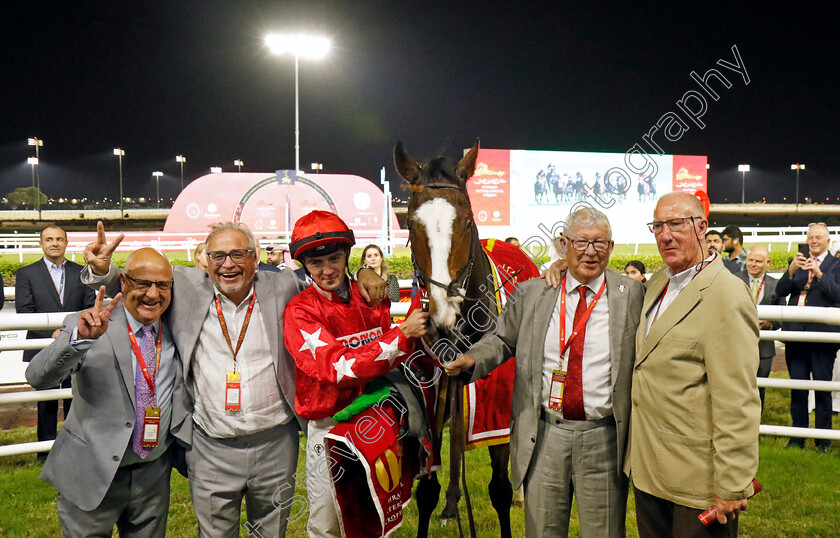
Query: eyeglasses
{"x":237,"y":256}
{"x":675,"y":225}
{"x":144,"y":285}
{"x":582,"y":244}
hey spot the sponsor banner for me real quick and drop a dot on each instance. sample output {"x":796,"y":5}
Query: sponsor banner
{"x":489,"y":188}
{"x":689,"y":173}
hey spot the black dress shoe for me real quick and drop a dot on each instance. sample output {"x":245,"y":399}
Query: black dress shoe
{"x":823,"y":449}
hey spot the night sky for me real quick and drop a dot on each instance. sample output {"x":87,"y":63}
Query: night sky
{"x":194,"y":77}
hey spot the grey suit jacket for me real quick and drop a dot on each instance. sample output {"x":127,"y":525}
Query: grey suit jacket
{"x":521,"y":332}
{"x":191,"y":297}
{"x":96,"y":434}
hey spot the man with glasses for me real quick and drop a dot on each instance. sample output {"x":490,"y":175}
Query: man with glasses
{"x":811,"y":281}
{"x":50,"y":285}
{"x":574,"y":349}
{"x":696,"y":406}
{"x":111,"y":462}
{"x":226,"y":325}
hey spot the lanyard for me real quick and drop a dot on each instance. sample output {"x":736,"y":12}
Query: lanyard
{"x":244,"y":326}
{"x":564,"y":345}
{"x":140,"y":361}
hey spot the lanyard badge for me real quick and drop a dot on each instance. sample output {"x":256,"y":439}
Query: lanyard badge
{"x":151,"y":427}
{"x":555,"y":394}
{"x":233,"y":380}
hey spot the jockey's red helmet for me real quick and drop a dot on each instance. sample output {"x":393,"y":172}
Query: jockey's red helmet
{"x":316,"y":231}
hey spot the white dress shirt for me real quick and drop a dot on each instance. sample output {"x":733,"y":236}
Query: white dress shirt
{"x":676,"y":283}
{"x":595,"y":373}
{"x":57,"y":275}
{"x":262,"y":405}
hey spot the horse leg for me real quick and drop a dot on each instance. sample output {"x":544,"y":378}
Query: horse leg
{"x":456,"y":448}
{"x":501,"y":492}
{"x":427,"y":494}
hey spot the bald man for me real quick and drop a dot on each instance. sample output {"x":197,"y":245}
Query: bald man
{"x":696,"y":408}
{"x":763,"y":291}
{"x":111,"y":461}
{"x":811,"y":281}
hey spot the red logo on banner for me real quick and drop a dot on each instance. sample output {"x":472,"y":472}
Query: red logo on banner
{"x":489,"y":188}
{"x":689,"y":173}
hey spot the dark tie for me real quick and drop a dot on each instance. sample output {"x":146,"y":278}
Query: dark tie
{"x":573,"y":397}
{"x":142,"y":394}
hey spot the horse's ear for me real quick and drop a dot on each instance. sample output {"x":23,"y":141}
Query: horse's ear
{"x":466,"y":168}
{"x":406,"y":166}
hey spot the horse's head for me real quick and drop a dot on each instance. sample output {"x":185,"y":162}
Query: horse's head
{"x":441,"y":228}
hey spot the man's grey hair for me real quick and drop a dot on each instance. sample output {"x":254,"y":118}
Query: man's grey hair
{"x":582,"y":218}
{"x":220,"y":227}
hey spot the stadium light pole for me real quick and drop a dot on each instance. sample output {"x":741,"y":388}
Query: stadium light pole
{"x":215,"y":169}
{"x":238,"y":164}
{"x":181,"y":159}
{"x":38,"y":143}
{"x":33,"y":161}
{"x":120,"y":153}
{"x":157,"y":175}
{"x":317,"y":167}
{"x":743,"y":168}
{"x":797,"y":167}
{"x":298,"y":45}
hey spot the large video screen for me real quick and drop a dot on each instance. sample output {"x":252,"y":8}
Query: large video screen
{"x":524,"y":193}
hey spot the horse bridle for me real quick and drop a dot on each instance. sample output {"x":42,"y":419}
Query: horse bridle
{"x":458,"y":282}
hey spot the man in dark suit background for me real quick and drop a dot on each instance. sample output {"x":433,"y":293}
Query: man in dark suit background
{"x":51,"y":284}
{"x":763,"y":290}
{"x":811,"y":281}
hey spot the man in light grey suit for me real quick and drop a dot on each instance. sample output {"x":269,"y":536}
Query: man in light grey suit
{"x":111,"y":461}
{"x":574,"y":445}
{"x":226,"y":322}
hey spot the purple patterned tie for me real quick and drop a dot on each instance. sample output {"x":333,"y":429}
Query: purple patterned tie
{"x":142,"y":394}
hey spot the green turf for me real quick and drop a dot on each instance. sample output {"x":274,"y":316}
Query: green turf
{"x":801,"y":492}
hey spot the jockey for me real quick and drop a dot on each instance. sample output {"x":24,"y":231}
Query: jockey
{"x":339,"y":343}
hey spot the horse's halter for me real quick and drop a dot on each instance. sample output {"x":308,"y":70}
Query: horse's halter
{"x":458,"y":282}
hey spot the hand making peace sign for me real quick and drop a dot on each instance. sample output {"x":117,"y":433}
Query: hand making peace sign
{"x":93,"y":322}
{"x":98,"y":254}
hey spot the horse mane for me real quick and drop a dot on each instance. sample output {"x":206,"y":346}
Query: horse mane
{"x":440,"y":170}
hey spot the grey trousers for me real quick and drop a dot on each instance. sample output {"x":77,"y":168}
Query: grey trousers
{"x":137,"y":502}
{"x":259,"y":468}
{"x":575,"y":459}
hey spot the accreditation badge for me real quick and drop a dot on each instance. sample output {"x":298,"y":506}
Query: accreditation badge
{"x":233,"y":392}
{"x":801,"y":301}
{"x":151,"y":427}
{"x":555,"y":393}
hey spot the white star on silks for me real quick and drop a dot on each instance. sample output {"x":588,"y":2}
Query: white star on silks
{"x":344,"y":367}
{"x":312,"y":341}
{"x":390,"y":351}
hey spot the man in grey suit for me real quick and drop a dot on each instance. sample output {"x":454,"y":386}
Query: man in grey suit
{"x":574,"y":351}
{"x":763,"y":290}
{"x":226,"y":322}
{"x":111,"y":461}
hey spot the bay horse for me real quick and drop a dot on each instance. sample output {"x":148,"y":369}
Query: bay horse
{"x":454,"y":271}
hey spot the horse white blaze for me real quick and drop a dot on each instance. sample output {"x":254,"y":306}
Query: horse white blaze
{"x":437,"y":217}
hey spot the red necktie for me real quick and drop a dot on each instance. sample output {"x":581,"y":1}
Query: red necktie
{"x":573,"y":395}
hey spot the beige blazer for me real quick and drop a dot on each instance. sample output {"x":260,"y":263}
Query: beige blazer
{"x":696,"y":408}
{"x":521,"y":331}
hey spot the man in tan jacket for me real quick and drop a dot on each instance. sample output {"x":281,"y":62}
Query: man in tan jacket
{"x":695,"y":404}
